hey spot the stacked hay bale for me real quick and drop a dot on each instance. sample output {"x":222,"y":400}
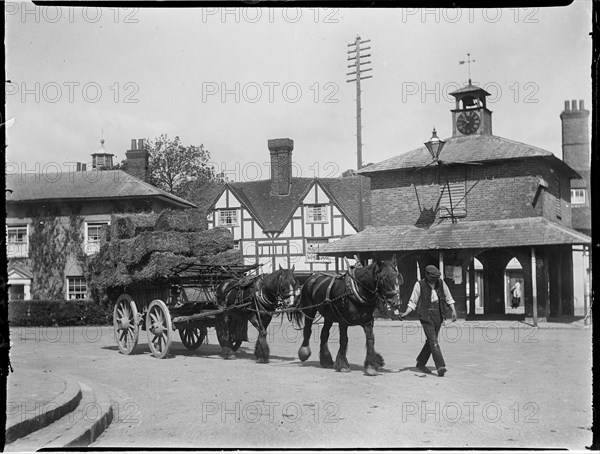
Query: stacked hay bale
{"x":140,"y":248}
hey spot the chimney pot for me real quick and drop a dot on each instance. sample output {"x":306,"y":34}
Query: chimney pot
{"x":280,"y":144}
{"x":140,"y":144}
{"x":575,"y":136}
{"x":133,"y":144}
{"x":567,"y":105}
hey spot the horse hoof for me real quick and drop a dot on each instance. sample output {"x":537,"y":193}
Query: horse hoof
{"x":304,"y":353}
{"x":343,"y":369}
{"x":228,"y":354}
{"x":370,"y":371}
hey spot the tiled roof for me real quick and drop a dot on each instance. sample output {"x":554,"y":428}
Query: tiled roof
{"x":271,"y":212}
{"x":465,"y":149}
{"x":469,"y":88}
{"x":274,"y":212}
{"x":104,"y":184}
{"x":535,"y":231}
{"x":345,"y":192}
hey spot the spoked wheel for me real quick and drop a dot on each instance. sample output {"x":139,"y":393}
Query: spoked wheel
{"x":158,"y":326}
{"x":125,"y":322}
{"x":192,"y":338}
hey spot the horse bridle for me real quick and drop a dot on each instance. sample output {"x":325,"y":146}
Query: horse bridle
{"x":387,"y":294}
{"x":280,"y":298}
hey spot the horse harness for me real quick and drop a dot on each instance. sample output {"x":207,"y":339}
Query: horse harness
{"x":257,"y":297}
{"x":351,"y":284}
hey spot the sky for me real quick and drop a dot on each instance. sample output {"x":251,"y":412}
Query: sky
{"x":232,"y":78}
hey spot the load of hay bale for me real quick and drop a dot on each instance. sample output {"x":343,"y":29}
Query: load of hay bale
{"x":139,"y":248}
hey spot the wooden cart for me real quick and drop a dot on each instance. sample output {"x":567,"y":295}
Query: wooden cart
{"x":184,"y":300}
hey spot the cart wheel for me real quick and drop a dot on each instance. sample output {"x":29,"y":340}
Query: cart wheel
{"x":126,"y":324}
{"x":192,"y":338}
{"x":158,"y":326}
{"x":235,"y":345}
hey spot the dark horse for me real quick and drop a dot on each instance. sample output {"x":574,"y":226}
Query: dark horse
{"x":257,"y":299}
{"x":348,"y":299}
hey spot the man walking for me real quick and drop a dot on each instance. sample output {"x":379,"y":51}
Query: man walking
{"x":428,"y":300}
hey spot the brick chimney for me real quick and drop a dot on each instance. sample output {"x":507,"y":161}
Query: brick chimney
{"x":137,"y":159}
{"x":281,"y":165}
{"x":575,"y":136}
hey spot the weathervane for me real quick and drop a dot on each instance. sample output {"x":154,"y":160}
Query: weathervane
{"x":468,"y":62}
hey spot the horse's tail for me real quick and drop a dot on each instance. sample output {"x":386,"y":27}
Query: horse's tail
{"x":222,"y":292}
{"x":297,"y":316}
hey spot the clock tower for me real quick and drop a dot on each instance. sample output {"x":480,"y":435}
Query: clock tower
{"x":471,"y":116}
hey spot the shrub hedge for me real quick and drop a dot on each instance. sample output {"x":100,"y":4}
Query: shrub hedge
{"x":58,"y":313}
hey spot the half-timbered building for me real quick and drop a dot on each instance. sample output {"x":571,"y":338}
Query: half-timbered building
{"x":285,"y":221}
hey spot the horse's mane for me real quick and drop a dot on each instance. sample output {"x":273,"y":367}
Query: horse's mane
{"x":270,"y":280}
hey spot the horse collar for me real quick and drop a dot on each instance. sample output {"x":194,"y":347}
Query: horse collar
{"x":353,"y":286}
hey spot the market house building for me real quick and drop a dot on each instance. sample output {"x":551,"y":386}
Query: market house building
{"x":486,"y":211}
{"x":285,"y":221}
{"x":76,"y":205}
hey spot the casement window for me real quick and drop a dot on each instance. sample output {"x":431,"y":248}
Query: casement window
{"x":313,"y":246}
{"x":578,"y":196}
{"x":453,"y":200}
{"x":270,"y":249}
{"x":316,"y":214}
{"x":17,"y":241}
{"x":228,"y":217}
{"x":76,"y":288}
{"x":93,"y":232}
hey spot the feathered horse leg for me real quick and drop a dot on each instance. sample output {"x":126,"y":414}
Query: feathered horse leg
{"x":341,"y":362}
{"x":324,"y":354}
{"x":261,"y":349}
{"x":373,"y":361}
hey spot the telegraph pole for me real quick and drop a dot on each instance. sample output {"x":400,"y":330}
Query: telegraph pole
{"x":355,"y":54}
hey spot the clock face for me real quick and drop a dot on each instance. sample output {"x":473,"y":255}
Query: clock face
{"x":468,"y":122}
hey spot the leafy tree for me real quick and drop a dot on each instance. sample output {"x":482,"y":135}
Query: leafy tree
{"x":173,"y":166}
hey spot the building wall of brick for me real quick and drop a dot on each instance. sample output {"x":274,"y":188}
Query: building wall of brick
{"x":500,"y":190}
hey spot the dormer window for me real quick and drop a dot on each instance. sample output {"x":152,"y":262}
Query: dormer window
{"x":228,"y":218}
